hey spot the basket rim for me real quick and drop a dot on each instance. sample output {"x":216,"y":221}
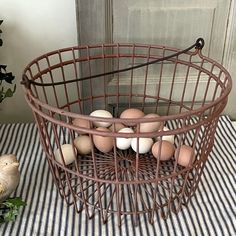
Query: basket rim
{"x":126,"y":120}
{"x":60,"y":111}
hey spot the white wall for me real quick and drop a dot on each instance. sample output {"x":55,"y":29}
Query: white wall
{"x":230,"y":109}
{"x":30,"y":29}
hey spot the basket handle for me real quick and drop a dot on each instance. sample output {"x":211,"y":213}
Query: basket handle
{"x":199,"y":44}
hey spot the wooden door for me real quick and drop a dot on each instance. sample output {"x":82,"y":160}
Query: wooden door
{"x":176,"y":23}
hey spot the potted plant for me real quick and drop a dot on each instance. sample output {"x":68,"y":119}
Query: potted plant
{"x":5,"y":78}
{"x":9,"y":173}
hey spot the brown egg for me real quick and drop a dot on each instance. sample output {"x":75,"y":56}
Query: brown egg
{"x":186,"y":155}
{"x":116,"y":127}
{"x":102,"y":143}
{"x":132,"y":113}
{"x":83,"y":144}
{"x":166,"y":152}
{"x":150,"y":126}
{"x":81,"y":123}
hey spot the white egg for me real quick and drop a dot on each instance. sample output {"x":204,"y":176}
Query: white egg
{"x":67,"y":152}
{"x":124,"y":143}
{"x":169,"y":138}
{"x":145,"y":144}
{"x":102,"y":114}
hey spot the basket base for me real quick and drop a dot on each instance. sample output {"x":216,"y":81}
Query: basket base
{"x":123,"y":189}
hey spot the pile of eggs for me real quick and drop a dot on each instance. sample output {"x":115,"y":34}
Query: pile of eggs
{"x":162,"y":149}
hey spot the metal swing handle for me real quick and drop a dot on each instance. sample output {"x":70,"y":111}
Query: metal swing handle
{"x":199,"y":44}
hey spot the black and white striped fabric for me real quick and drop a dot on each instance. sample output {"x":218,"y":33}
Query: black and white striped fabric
{"x":212,"y":211}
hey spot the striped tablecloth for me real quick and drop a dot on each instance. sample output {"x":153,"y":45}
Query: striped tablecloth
{"x":212,"y":211}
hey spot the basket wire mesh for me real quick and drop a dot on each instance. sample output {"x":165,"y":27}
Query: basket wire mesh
{"x":152,"y":78}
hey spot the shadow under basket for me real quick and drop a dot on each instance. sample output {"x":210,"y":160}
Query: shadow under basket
{"x":186,"y":89}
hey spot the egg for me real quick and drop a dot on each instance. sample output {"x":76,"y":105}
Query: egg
{"x":115,"y":127}
{"x":145,"y":144}
{"x":102,"y":114}
{"x":131,"y":113}
{"x":83,"y":144}
{"x":67,"y":152}
{"x":186,"y":155}
{"x":163,"y":150}
{"x":103,"y":143}
{"x":170,"y":138}
{"x":82,"y":123}
{"x":150,"y":126}
{"x":124,"y":143}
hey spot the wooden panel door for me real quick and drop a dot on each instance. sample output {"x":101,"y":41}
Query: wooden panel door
{"x":175,"y":23}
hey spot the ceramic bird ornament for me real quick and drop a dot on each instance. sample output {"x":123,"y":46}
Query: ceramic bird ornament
{"x":9,"y":175}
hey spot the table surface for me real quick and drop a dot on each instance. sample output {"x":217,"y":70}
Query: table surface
{"x":234,"y":124}
{"x":211,"y":211}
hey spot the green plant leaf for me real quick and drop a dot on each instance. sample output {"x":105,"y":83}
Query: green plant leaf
{"x":17,"y":201}
{"x":10,"y":215}
{"x":3,"y":67}
{"x":8,"y":77}
{"x":5,"y":76}
{"x":10,"y":209}
{"x":9,"y":93}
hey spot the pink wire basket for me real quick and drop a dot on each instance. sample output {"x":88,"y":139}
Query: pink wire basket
{"x":185,"y":88}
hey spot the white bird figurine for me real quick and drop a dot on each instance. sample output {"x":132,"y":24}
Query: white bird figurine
{"x":9,"y":175}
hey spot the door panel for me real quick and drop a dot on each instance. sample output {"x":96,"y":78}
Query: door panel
{"x":175,"y":23}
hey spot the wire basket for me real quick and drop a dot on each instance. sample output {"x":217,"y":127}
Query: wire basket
{"x":186,"y":89}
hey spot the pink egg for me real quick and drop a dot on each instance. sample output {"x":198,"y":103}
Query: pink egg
{"x":131,"y":113}
{"x":103,"y":143}
{"x":150,"y":126}
{"x":163,"y":150}
{"x":81,"y":123}
{"x":186,"y":155}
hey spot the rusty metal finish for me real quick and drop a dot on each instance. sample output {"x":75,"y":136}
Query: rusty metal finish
{"x":124,"y":182}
